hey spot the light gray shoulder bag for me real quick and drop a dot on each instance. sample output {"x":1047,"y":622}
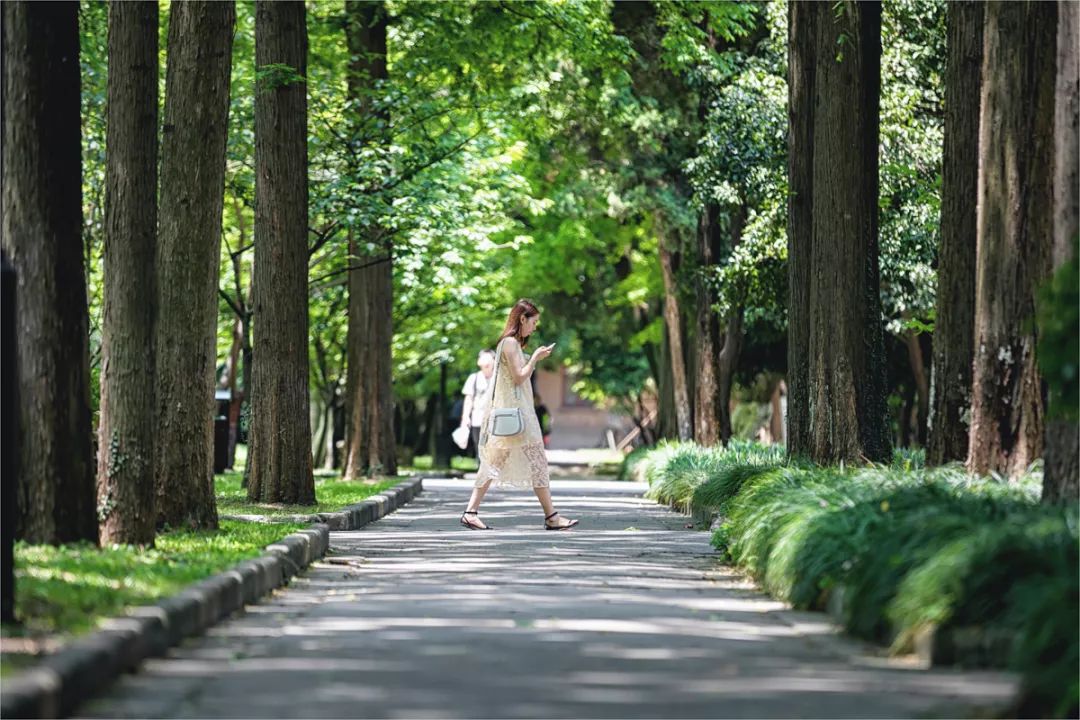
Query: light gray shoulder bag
{"x":503,"y":422}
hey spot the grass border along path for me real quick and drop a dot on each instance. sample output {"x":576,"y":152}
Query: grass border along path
{"x":974,"y":568}
{"x":67,"y":590}
{"x":197,"y":577}
{"x":332,"y":494}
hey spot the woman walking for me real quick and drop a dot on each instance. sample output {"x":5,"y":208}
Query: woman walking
{"x":511,"y":443}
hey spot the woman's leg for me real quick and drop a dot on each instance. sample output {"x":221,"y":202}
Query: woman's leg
{"x":543,"y":494}
{"x":474,"y":504}
{"x":477,"y":496}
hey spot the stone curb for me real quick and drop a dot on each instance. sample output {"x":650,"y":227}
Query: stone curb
{"x":60,"y":682}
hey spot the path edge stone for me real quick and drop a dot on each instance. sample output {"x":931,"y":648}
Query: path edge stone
{"x":61,"y":682}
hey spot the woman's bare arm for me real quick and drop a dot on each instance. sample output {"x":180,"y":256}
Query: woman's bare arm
{"x":520,"y":369}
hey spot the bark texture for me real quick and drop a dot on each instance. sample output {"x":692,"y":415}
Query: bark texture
{"x":1016,"y":145}
{"x":846,"y":415}
{"x":280,"y":404}
{"x":683,"y":420}
{"x":707,"y":403}
{"x":802,"y":23}
{"x":41,"y":236}
{"x":371,"y":448}
{"x":125,"y":479}
{"x":954,"y":330}
{"x":731,"y":340}
{"x":1061,"y":462}
{"x":193,"y":136}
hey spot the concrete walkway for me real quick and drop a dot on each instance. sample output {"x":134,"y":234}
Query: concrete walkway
{"x":626,"y":616}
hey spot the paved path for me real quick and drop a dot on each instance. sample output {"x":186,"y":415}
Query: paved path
{"x":626,"y":616}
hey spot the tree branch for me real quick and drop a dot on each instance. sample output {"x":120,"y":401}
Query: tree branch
{"x":376,"y":261}
{"x":235,"y":308}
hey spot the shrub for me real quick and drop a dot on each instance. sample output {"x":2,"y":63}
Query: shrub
{"x":915,"y":548}
{"x":632,"y":467}
{"x":678,"y":470}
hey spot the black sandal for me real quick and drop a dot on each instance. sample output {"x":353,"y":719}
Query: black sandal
{"x":468,"y":524}
{"x":569,"y":525}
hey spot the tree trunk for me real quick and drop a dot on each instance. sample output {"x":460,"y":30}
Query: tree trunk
{"x":41,"y":235}
{"x":728,"y":361}
{"x":233,"y":385}
{"x":125,"y":480}
{"x":441,"y":453}
{"x":802,"y":24}
{"x":280,"y":457}
{"x":846,"y":414}
{"x":247,"y":356}
{"x":667,"y":424}
{"x":672,"y":320}
{"x":707,"y":402}
{"x":1061,"y":462}
{"x":370,"y":445}
{"x":1016,"y":147}
{"x":921,"y":385}
{"x":240,"y":409}
{"x":188,"y":261}
{"x":954,"y":330}
{"x":328,"y":456}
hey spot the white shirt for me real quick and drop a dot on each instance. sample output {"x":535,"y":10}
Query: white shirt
{"x":477,"y":386}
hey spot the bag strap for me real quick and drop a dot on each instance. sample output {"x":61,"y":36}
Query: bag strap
{"x":495,"y":375}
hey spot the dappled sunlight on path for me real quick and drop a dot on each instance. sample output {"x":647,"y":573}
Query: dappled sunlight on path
{"x":628,"y":615}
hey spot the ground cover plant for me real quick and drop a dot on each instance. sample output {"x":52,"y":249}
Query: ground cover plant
{"x":899,"y":551}
{"x":68,"y":589}
{"x":332,"y":494}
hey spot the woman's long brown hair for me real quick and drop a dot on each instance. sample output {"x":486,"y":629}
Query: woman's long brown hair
{"x":522,"y":309}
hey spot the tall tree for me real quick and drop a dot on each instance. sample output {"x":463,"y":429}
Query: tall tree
{"x":125,"y":480}
{"x":41,"y":234}
{"x":845,"y":416}
{"x":1061,"y":473}
{"x":369,"y":400}
{"x":954,"y":331}
{"x":659,"y":149}
{"x":673,"y":322}
{"x":731,"y":337}
{"x":193,"y":137}
{"x":802,"y":33}
{"x":707,"y":400}
{"x":280,"y":454}
{"x":1015,"y":227}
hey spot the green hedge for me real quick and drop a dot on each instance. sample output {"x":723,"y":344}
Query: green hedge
{"x":912,"y":548}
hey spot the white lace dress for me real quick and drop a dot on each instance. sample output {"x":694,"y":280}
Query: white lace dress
{"x":517,"y":461}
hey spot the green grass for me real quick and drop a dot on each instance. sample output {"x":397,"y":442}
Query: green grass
{"x":68,"y":589}
{"x":332,"y":494}
{"x":424,"y":463}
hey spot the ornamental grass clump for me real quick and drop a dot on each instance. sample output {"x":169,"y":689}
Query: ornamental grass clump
{"x":674,"y":480}
{"x":1018,"y":575}
{"x":717,"y":491}
{"x":906,"y":549}
{"x":903,"y":550}
{"x":633,"y":465}
{"x":676,"y":471}
{"x":920,"y":515}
